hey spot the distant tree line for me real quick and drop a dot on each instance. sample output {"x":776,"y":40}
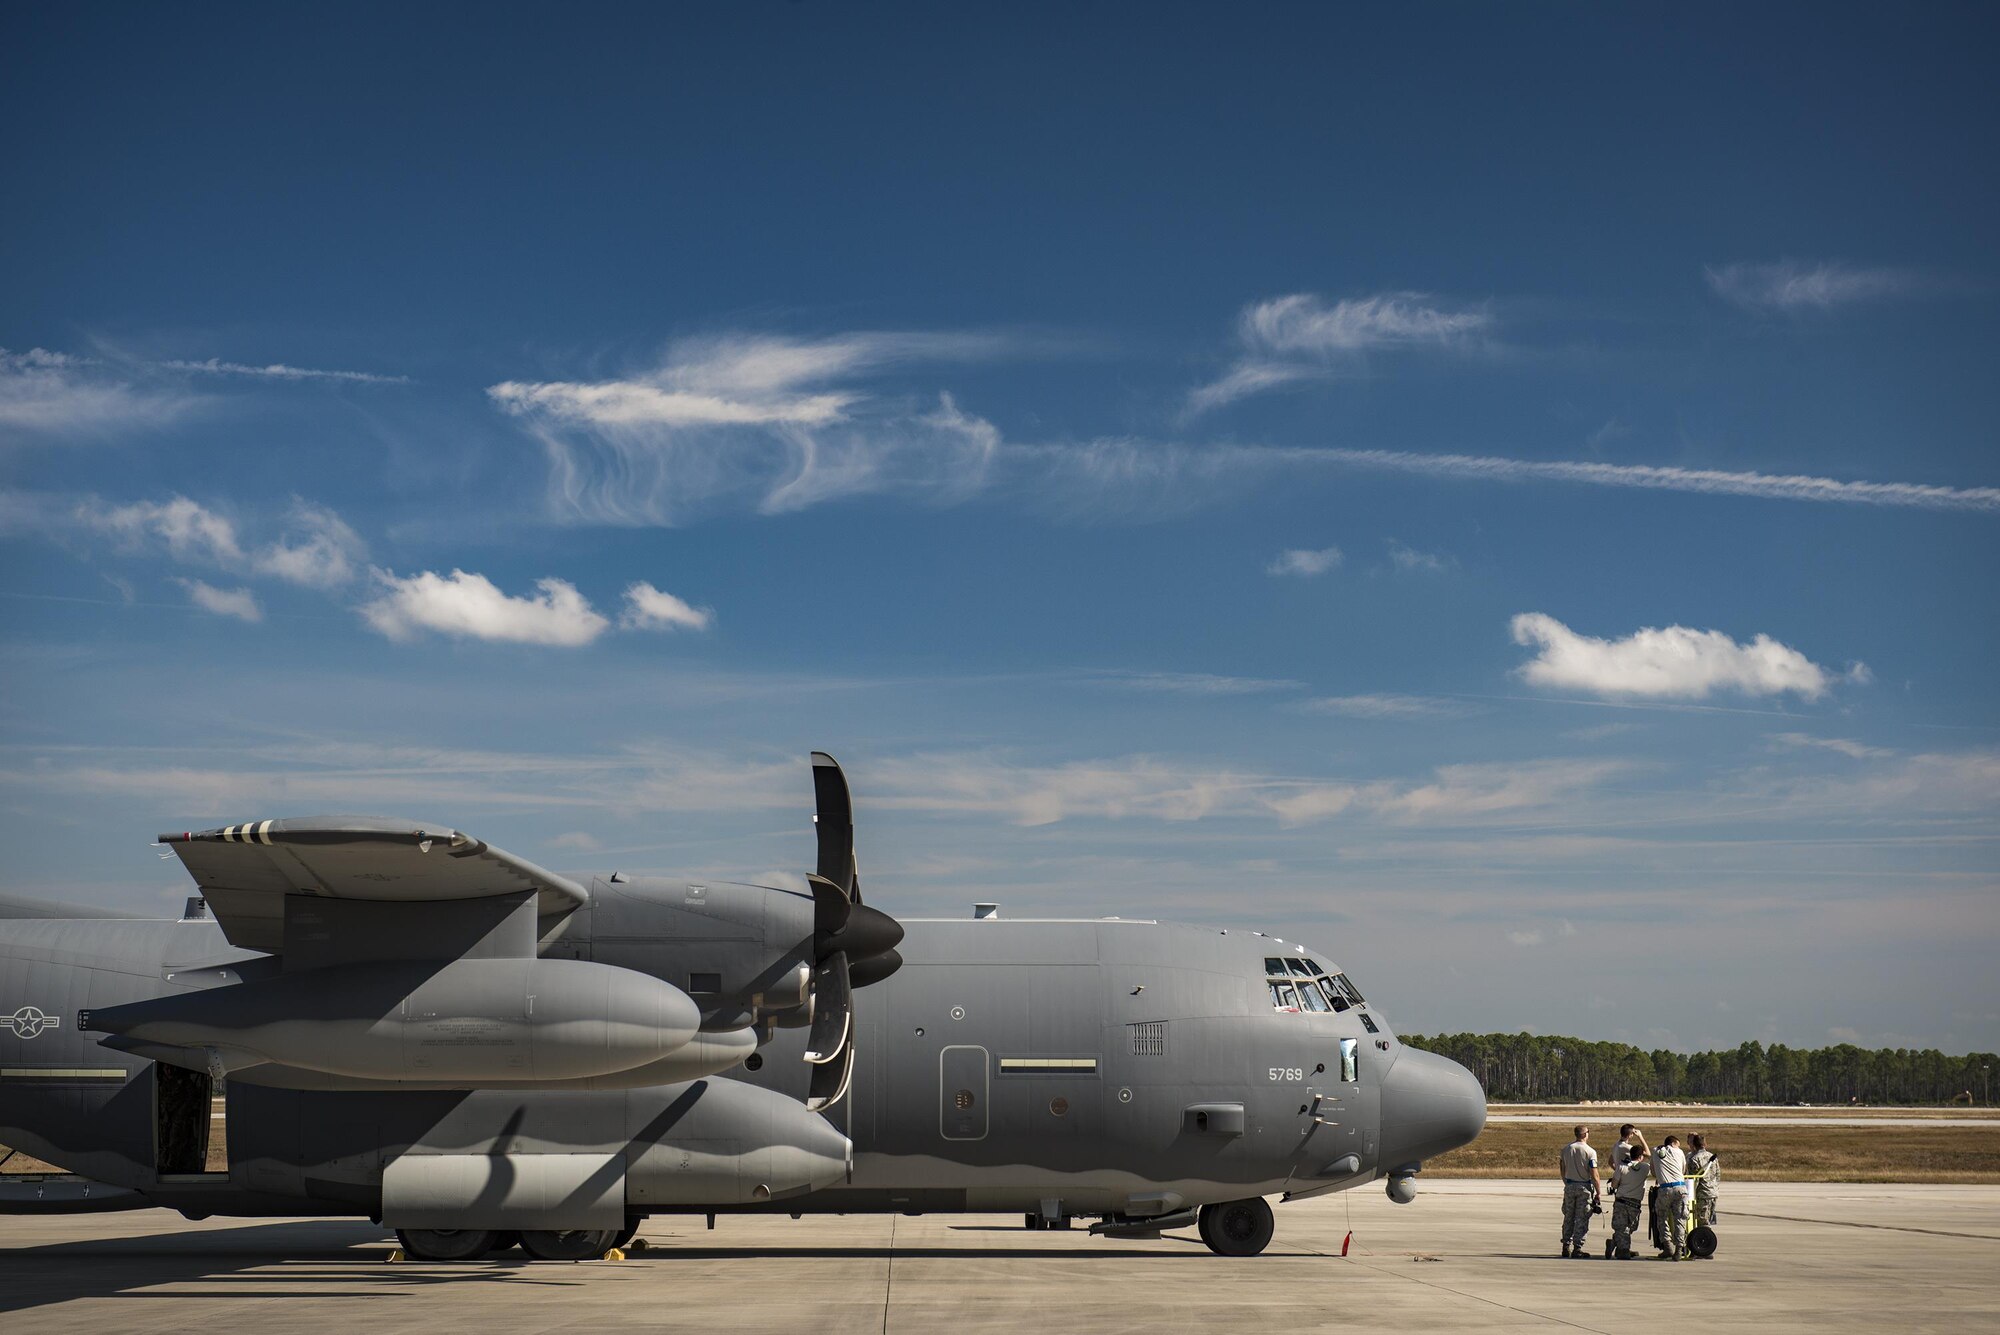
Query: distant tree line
{"x":1527,"y":1068}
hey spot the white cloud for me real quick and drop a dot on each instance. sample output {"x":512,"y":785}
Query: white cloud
{"x":1390,"y":706}
{"x":579,"y":840}
{"x":470,"y":606}
{"x":1305,"y":562}
{"x":756,"y":420}
{"x":57,"y":394}
{"x":1671,"y":663}
{"x":1525,"y":938}
{"x":1790,"y":286}
{"x":1299,"y":337}
{"x":238,"y":603}
{"x":1411,"y":561}
{"x":280,"y":371}
{"x":320,"y":552}
{"x":189,"y":530}
{"x":1303,"y":323}
{"x":648,"y":608}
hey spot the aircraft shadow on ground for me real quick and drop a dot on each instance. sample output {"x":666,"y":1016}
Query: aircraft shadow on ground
{"x":271,"y":1256}
{"x":314,"y":1258}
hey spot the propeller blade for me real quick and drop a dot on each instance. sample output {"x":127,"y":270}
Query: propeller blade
{"x":833,"y":822}
{"x":831,"y":908}
{"x":833,"y":1012}
{"x":875,"y":969}
{"x":829,"y":1083}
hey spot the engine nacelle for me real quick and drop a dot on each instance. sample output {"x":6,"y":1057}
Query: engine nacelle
{"x":467,"y":1020}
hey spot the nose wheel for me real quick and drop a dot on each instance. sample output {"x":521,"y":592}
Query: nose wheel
{"x":1237,"y":1228}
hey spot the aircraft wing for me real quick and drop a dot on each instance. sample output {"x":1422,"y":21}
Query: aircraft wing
{"x":246,"y":871}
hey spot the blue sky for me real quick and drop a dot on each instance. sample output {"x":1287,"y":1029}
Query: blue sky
{"x":1503,"y":496}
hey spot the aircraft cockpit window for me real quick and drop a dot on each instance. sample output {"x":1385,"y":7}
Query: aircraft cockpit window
{"x":1314,"y":966}
{"x":1274,"y":966}
{"x":1336,"y":999}
{"x":1298,"y":968}
{"x":1353,"y":992}
{"x":1311,"y":996}
{"x":1283,"y":997}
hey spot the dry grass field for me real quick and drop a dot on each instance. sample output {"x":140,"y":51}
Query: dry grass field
{"x":1751,"y":1153}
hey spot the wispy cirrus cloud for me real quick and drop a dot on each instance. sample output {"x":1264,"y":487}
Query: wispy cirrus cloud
{"x":1188,"y":683}
{"x":776,"y":423}
{"x":1407,"y":708}
{"x":1300,"y":337}
{"x":55,"y":394}
{"x":1846,"y":746}
{"x":1792,"y":286}
{"x":1671,"y":663}
{"x":279,"y":371}
{"x":1124,"y":478}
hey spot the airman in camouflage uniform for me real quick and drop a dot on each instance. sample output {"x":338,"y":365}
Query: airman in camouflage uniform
{"x":1577,"y":1165}
{"x":1705,"y":1171}
{"x":1628,"y":1190}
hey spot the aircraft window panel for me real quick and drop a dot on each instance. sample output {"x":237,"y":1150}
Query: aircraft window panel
{"x":1313,"y":965}
{"x":1368,"y":1024}
{"x":1349,"y":1059}
{"x":1335,"y":998}
{"x":1309,"y":993}
{"x":1283,"y":997}
{"x":1298,"y":968}
{"x":1274,"y":966}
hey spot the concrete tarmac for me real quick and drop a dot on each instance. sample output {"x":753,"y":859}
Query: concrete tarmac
{"x":1467,"y":1255}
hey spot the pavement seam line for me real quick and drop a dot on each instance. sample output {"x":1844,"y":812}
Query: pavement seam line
{"x":1855,"y":1223}
{"x":889,"y":1276}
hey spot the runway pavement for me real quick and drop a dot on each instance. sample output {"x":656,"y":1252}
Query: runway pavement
{"x":1468,"y":1255}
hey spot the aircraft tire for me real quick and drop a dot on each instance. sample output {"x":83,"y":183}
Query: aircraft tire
{"x":568,"y":1244}
{"x":447,"y":1244}
{"x":504,"y":1242}
{"x":1033,"y":1221}
{"x":629,"y":1232}
{"x":1237,"y":1228}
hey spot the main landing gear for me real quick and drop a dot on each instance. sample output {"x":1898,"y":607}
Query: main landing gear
{"x":1237,"y":1228}
{"x":470,"y":1244}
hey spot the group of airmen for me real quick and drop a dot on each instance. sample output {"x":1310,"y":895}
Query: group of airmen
{"x":1667,"y":1176}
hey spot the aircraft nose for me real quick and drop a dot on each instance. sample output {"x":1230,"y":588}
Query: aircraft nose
{"x":1430,"y":1104}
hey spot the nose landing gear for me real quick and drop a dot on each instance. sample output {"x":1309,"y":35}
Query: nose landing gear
{"x":1237,"y":1228}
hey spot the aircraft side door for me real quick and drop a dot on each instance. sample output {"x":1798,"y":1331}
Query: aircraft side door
{"x":964,"y":1091}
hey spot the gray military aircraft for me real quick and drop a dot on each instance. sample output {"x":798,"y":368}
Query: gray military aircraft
{"x":410,"y":1025}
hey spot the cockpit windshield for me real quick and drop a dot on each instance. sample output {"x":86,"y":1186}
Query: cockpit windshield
{"x":1299,"y":984}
